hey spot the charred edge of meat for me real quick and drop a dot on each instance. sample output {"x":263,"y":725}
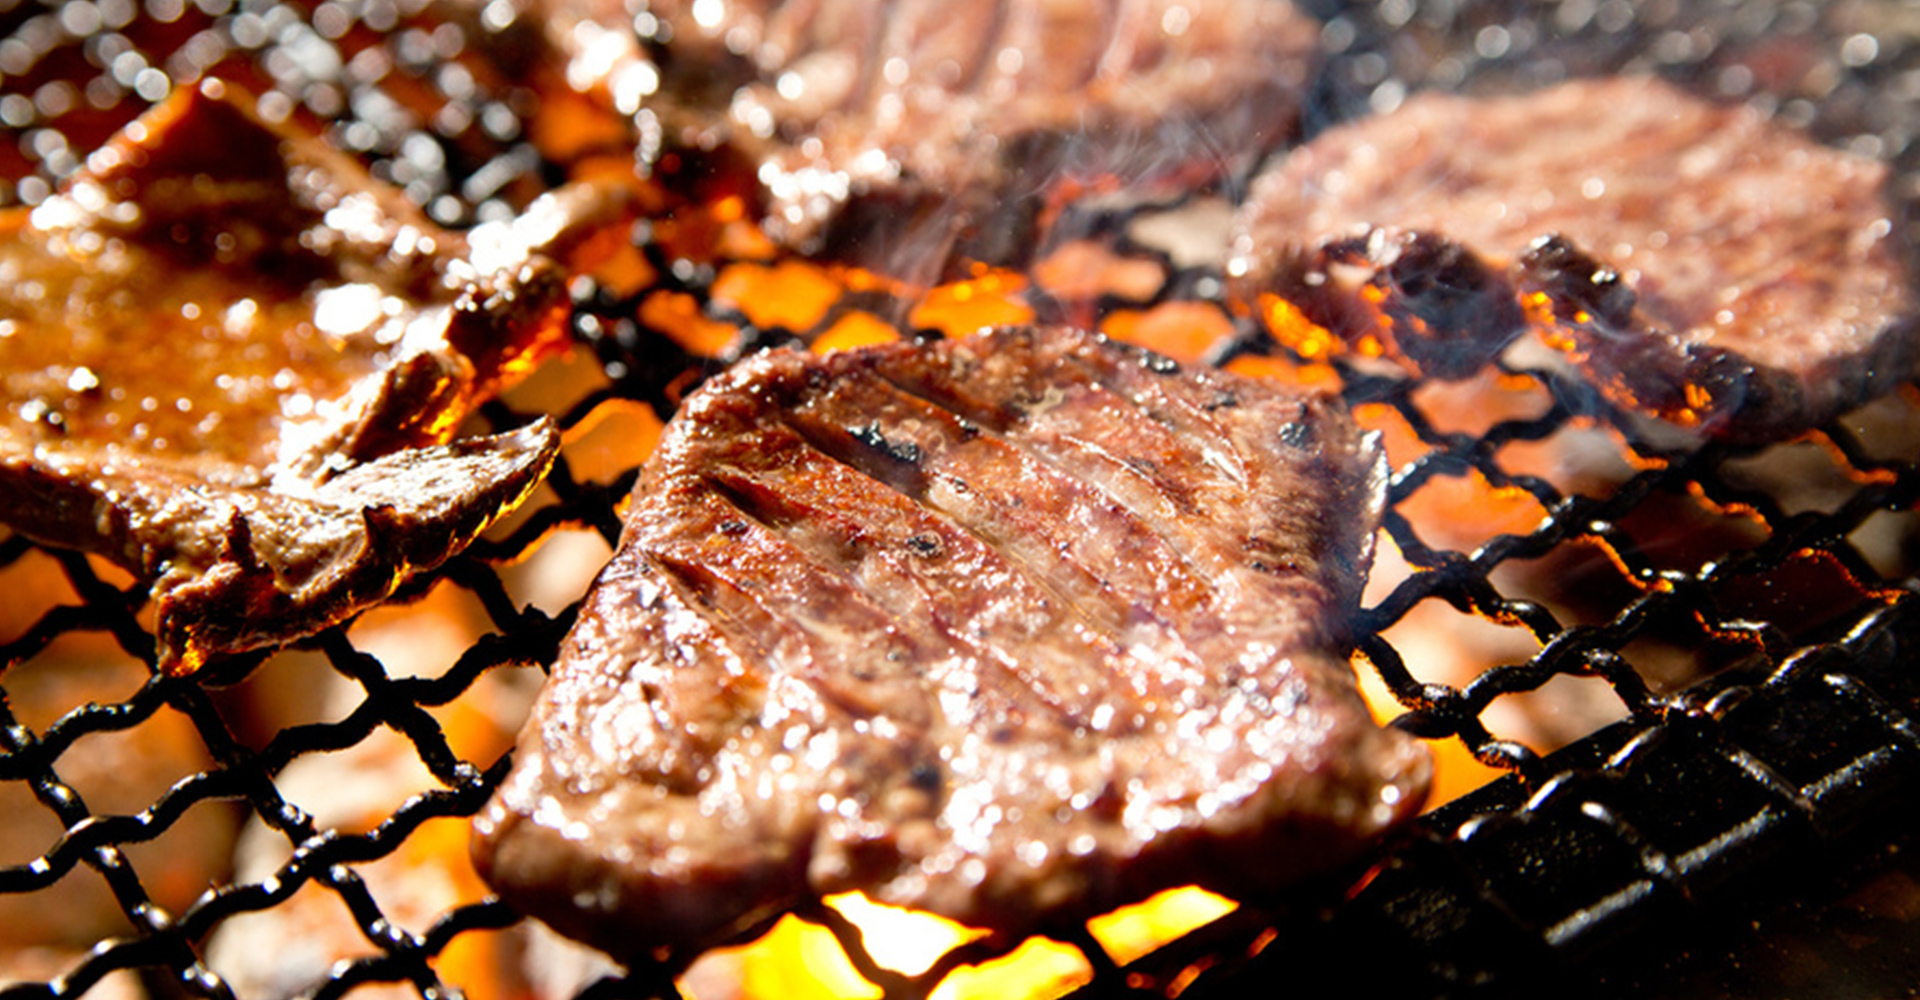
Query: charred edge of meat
{"x":1720,"y":269}
{"x":1578,"y":282}
{"x":1449,"y":312}
{"x":1422,"y":297}
{"x":238,"y":566}
{"x":1714,"y":390}
{"x":399,"y":516}
{"x":1591,"y":305}
{"x":705,"y":176}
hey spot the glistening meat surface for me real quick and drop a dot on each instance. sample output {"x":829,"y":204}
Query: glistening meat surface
{"x":891,"y":133}
{"x":232,"y":362}
{"x":1700,"y":262}
{"x":1015,"y":629}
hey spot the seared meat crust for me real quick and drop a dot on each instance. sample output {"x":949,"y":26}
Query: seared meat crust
{"x":1015,"y":629}
{"x":894,"y":133}
{"x":1698,"y":262}
{"x":232,"y":362}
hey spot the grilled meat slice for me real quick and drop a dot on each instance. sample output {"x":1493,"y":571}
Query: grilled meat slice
{"x":891,"y":133}
{"x":231,"y":362}
{"x":1697,"y":262}
{"x":1015,"y":629}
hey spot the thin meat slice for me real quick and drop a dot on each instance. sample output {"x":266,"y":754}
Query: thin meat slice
{"x":1014,"y":629}
{"x":232,"y":363}
{"x":894,"y":133}
{"x":1699,"y":262}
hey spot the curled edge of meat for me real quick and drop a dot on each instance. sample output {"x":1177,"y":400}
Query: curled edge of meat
{"x":1447,"y":308}
{"x":224,"y":580}
{"x":581,"y":835}
{"x":1417,"y":296}
{"x":1447,"y":312}
{"x":1588,"y":311}
{"x":274,"y":528}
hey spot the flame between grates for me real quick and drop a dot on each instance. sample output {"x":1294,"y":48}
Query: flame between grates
{"x":1692,"y":665}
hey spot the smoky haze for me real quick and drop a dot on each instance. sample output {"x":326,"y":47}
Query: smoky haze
{"x":910,"y":138}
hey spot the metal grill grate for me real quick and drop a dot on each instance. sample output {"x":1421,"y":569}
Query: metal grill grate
{"x":1757,"y":688}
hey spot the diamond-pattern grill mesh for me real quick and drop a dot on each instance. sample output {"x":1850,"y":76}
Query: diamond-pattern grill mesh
{"x":1692,"y":663}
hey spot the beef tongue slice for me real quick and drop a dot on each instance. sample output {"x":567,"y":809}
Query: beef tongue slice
{"x":1014,"y":629}
{"x":232,"y":362}
{"x":893,"y":134}
{"x":1698,"y":262}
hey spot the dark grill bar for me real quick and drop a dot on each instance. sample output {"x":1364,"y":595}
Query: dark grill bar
{"x":1651,"y":832}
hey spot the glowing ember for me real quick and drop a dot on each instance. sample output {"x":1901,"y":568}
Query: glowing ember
{"x":965,"y":306}
{"x":1291,"y":328}
{"x":678,"y":315}
{"x":1086,"y":270}
{"x":797,"y":960}
{"x":855,"y":329}
{"x":1402,"y":442}
{"x":1464,"y":512}
{"x":903,"y":940}
{"x":1132,"y":932}
{"x":1307,"y":376}
{"x":790,"y":294}
{"x":1037,"y":970}
{"x":618,"y":435}
{"x":1183,"y":331}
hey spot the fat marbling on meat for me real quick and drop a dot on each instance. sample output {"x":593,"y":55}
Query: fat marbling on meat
{"x":1696,"y":261}
{"x":895,"y":133}
{"x":233,"y":363}
{"x":1014,"y":629}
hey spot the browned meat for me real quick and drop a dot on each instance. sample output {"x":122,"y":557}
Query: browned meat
{"x":890,"y":132}
{"x":231,"y":363}
{"x":1014,"y":629}
{"x":1698,"y":262}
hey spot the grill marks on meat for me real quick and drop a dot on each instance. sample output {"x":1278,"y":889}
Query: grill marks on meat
{"x":1697,"y":262}
{"x":1015,"y":629}
{"x":233,"y":364}
{"x":894,"y":133}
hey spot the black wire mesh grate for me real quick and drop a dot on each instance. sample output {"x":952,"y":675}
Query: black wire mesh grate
{"x":1790,"y":717}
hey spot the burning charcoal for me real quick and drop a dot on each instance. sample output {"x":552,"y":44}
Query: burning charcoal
{"x":1013,"y":629}
{"x":232,"y":364}
{"x":1697,"y":262}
